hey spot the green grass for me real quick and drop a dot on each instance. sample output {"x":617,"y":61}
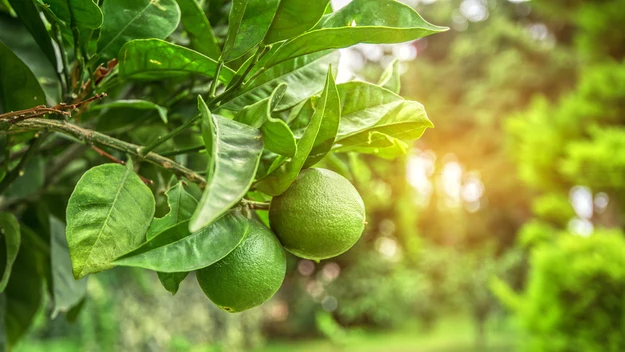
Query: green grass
{"x":450,"y":335}
{"x":453,"y":334}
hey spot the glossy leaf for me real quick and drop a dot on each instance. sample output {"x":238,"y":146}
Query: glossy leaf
{"x":28,"y":13}
{"x":367,"y":107}
{"x":181,"y":207}
{"x":329,"y":128}
{"x":276,"y":182}
{"x":27,"y":93}
{"x":67,"y":292}
{"x":125,"y":20}
{"x":391,"y":77}
{"x":248,"y":24}
{"x":84,"y":15}
{"x":11,"y":238}
{"x":116,"y":111}
{"x":361,"y":21}
{"x":169,"y":253}
{"x":234,"y":151}
{"x":198,"y":28}
{"x":304,"y":75}
{"x":108,"y":215}
{"x":171,"y":281}
{"x":378,"y":144}
{"x":277,"y":135}
{"x":154,"y":59}
{"x":295,"y":17}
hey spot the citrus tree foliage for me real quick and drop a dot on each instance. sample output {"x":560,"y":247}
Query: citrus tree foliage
{"x":154,"y":134}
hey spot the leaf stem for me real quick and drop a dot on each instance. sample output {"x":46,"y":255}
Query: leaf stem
{"x":162,"y":139}
{"x":215,"y":82}
{"x":58,"y":39}
{"x":252,"y":204}
{"x":92,"y":137}
{"x":184,"y":150}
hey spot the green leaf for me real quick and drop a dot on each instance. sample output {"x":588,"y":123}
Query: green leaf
{"x":295,"y":17}
{"x":391,"y":77}
{"x":276,"y":182}
{"x":4,"y":344}
{"x":169,"y":253}
{"x":361,"y":21}
{"x":10,"y":230}
{"x":67,"y":292}
{"x":27,"y":93}
{"x":154,"y":59}
{"x":121,"y":113}
{"x":277,"y":135}
{"x":28,"y":13}
{"x":198,"y":28}
{"x":379,"y":144}
{"x":31,"y":179}
{"x":234,"y":151}
{"x":84,"y":15}
{"x":181,"y":208}
{"x":248,"y":24}
{"x":329,"y":128}
{"x":367,"y":107}
{"x":171,"y":281}
{"x":125,"y":20}
{"x":304,"y":75}
{"x":108,"y":215}
{"x":24,"y":292}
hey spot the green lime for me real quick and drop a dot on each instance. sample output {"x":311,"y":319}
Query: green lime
{"x":320,"y":216}
{"x":250,"y":275}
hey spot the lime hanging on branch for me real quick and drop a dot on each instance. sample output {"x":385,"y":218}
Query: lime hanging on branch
{"x":249,"y":275}
{"x":320,"y":216}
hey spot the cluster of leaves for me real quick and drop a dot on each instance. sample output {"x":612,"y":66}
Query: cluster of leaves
{"x":573,"y":299}
{"x":570,"y":301}
{"x":249,"y":105}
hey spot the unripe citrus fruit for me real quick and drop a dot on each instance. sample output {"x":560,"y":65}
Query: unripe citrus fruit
{"x":320,"y":216}
{"x":248,"y":276}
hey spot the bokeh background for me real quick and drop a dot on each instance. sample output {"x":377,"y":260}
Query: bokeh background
{"x":500,"y":230}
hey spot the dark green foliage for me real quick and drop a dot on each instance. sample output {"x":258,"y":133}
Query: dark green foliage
{"x":186,"y":177}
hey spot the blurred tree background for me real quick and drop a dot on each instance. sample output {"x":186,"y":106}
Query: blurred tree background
{"x":501,"y":229}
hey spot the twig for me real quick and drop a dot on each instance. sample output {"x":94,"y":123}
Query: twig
{"x":40,"y":110}
{"x":115,"y":160}
{"x":92,"y":137}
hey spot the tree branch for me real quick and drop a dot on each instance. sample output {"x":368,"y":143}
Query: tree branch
{"x":92,"y":137}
